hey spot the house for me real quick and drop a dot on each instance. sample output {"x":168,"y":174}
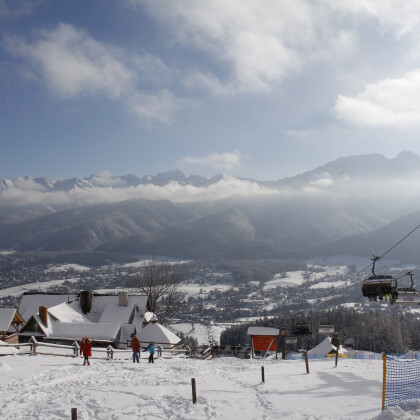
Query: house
{"x":107,"y":319}
{"x":10,"y":321}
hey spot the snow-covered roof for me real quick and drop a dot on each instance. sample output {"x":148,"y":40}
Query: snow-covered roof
{"x":263,"y":331}
{"x":148,"y":316}
{"x":6,"y":318}
{"x":76,"y":330}
{"x":68,"y":312}
{"x":325,"y":347}
{"x":109,"y":309}
{"x":158,"y":334}
{"x":31,"y":302}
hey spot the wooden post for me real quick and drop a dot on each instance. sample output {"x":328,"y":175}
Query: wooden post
{"x":306,"y":362}
{"x":283,"y":344}
{"x":76,"y":349}
{"x":262,"y":374}
{"x":194,"y":391}
{"x":383,"y":381}
{"x":74,"y":414}
{"x":34,"y":343}
{"x":336,"y":358}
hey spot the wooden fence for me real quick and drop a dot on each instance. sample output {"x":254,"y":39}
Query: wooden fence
{"x":109,"y":353}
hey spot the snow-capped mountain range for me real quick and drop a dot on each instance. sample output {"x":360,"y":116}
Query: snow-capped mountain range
{"x":193,"y":216}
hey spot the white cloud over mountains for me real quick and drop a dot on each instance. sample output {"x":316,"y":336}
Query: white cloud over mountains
{"x":71,"y":63}
{"x":110,"y":190}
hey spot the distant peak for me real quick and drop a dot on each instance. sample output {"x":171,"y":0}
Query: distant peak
{"x":407,"y":154}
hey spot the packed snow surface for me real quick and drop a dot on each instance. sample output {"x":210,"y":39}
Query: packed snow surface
{"x":47,"y":387}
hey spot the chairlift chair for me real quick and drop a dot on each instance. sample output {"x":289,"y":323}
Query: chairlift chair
{"x":301,"y":329}
{"x":379,"y":286}
{"x":326,"y":329}
{"x":408,"y":295}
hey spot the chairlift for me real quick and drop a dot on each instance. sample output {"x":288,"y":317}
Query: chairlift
{"x":379,"y":286}
{"x":301,"y":329}
{"x":326,"y":329}
{"x":408,"y":295}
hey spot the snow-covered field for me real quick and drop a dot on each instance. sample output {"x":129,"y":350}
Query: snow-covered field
{"x":297,"y":278}
{"x":47,"y":387}
{"x":40,"y":286}
{"x":66,"y":267}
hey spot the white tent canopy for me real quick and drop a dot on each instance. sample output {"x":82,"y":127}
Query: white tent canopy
{"x":325,"y":347}
{"x":158,"y":334}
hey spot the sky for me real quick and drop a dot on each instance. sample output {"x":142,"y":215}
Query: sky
{"x":259,"y":89}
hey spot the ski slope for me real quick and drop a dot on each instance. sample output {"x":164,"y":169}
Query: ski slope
{"x":47,"y":387}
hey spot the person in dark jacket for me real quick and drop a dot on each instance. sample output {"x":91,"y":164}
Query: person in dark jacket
{"x":151,"y":350}
{"x":135,"y":346}
{"x":86,"y":350}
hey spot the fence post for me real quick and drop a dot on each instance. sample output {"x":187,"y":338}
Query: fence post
{"x":194,"y":391}
{"x":74,"y":414}
{"x":306,"y":362}
{"x":110,"y":352}
{"x":283,"y":344}
{"x":384,"y":381}
{"x":34,"y":343}
{"x":336,"y":358}
{"x":262,"y":374}
{"x":355,"y":354}
{"x":76,"y":349}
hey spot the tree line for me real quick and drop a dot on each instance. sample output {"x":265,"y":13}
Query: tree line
{"x":389,"y":332}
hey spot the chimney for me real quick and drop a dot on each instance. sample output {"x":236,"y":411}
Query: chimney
{"x":43,"y":314}
{"x":123,"y":298}
{"x":86,"y":300}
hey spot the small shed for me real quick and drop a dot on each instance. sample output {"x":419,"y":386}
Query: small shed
{"x":263,"y":339}
{"x":10,"y":321}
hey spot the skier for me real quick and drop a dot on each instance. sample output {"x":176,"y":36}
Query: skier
{"x":86,"y":350}
{"x":151,"y":350}
{"x":135,"y":345}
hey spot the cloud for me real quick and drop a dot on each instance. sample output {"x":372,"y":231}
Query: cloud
{"x":72,"y":64}
{"x":400,"y":17}
{"x":325,"y":182}
{"x":221,"y":161}
{"x":257,"y":41}
{"x":15,"y":9}
{"x":104,"y":192}
{"x":388,"y":103}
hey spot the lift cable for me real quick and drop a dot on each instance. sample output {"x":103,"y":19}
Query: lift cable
{"x":389,"y":250}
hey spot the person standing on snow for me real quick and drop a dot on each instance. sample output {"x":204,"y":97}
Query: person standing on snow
{"x":86,"y":350}
{"x":135,"y":346}
{"x":151,"y":350}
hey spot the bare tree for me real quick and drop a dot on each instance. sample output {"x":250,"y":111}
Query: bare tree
{"x":160,"y":281}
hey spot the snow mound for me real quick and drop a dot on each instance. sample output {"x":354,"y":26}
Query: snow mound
{"x":4,"y":367}
{"x":408,"y":410}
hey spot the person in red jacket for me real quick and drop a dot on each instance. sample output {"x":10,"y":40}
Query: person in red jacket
{"x":135,"y":346}
{"x":86,"y":350}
